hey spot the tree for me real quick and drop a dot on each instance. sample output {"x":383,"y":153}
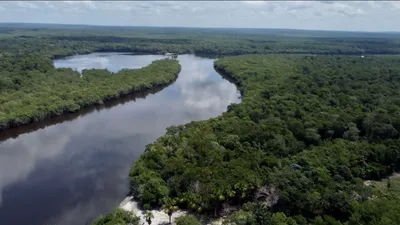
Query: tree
{"x":261,"y":213}
{"x":281,"y":219}
{"x":169,"y":207}
{"x":120,"y":216}
{"x":148,"y":216}
{"x":187,"y":220}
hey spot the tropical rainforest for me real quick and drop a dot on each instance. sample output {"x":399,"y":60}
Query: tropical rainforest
{"x":309,"y":132}
{"x":63,"y":40}
{"x":315,"y":139}
{"x":32,"y":89}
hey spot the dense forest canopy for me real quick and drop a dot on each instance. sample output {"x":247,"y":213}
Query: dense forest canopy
{"x":61,"y":40}
{"x":313,"y":125}
{"x":310,"y":129}
{"x":32,"y":89}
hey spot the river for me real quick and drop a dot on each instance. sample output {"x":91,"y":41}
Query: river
{"x":72,"y":168}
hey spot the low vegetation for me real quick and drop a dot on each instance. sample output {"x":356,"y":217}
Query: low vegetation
{"x":119,"y":217}
{"x":187,"y":220}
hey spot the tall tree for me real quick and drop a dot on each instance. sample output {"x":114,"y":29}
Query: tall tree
{"x":169,"y":207}
{"x":148,"y":216}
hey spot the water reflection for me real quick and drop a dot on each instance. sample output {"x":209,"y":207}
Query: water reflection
{"x":112,"y":61}
{"x":16,"y":131}
{"x":70,"y":172}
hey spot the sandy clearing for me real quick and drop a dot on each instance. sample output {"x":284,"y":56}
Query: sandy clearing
{"x":129,"y":204}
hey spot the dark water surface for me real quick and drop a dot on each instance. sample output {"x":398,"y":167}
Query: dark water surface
{"x":72,"y":168}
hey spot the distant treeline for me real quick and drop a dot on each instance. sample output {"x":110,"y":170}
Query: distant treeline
{"x":62,"y":42}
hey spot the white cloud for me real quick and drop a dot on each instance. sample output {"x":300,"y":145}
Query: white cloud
{"x":334,"y":15}
{"x":50,"y":5}
{"x":27,"y":150}
{"x":345,"y":9}
{"x":27,"y":5}
{"x":86,"y":4}
{"x":395,"y":5}
{"x":254,"y":2}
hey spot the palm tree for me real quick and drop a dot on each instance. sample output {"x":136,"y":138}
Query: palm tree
{"x":148,"y":216}
{"x":260,"y":212}
{"x":169,"y":207}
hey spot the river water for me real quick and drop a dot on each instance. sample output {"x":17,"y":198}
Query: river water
{"x":72,"y":168}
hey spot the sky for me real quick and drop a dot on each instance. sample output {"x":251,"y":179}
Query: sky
{"x":311,"y":15}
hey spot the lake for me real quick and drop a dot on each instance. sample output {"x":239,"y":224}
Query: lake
{"x":72,"y":168}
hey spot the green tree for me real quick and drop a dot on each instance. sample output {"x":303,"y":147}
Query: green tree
{"x":169,"y":207}
{"x":187,"y":220}
{"x":120,"y":216}
{"x":148,"y":216}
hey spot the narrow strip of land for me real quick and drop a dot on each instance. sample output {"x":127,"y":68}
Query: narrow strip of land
{"x":32,"y":89}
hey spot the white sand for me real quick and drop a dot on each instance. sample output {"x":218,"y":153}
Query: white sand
{"x":129,"y":204}
{"x":160,"y":217}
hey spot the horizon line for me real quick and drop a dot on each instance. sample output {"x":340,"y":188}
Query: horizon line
{"x":194,"y":27}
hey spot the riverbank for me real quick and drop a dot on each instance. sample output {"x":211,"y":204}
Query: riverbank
{"x":93,"y":150}
{"x":286,"y":118}
{"x":50,"y":121}
{"x":160,"y":217}
{"x":53,"y":92}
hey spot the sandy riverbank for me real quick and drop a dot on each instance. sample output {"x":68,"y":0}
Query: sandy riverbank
{"x":160,"y":217}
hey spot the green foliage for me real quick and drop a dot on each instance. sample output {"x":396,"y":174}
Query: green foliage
{"x":119,"y":217}
{"x":148,"y":216}
{"x":383,"y":208}
{"x":338,"y":117}
{"x":258,"y":214}
{"x":335,"y":116}
{"x":62,"y":41}
{"x":32,"y":89}
{"x":377,"y":212}
{"x":169,"y":207}
{"x":187,"y":220}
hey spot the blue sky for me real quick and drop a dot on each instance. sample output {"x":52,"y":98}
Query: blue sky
{"x":319,"y":15}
